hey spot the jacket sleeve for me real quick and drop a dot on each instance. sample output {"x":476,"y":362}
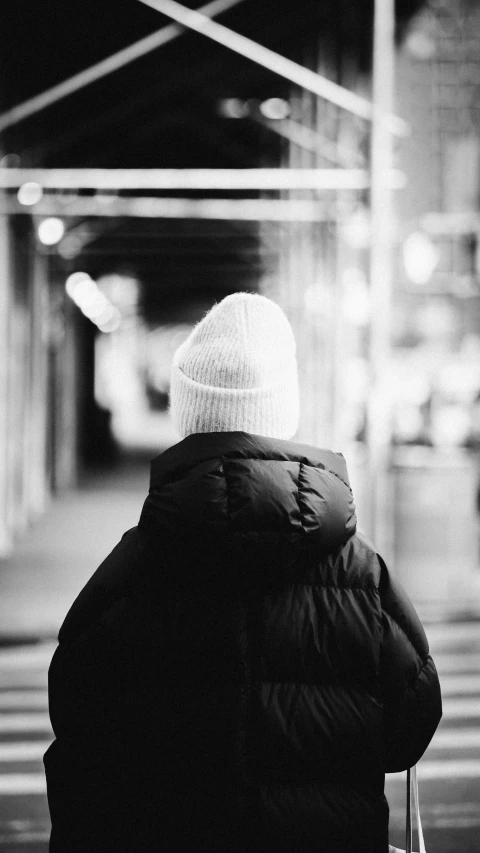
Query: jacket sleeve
{"x":409,"y":681}
{"x":97,"y":684}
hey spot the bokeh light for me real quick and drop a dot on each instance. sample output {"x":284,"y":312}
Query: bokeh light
{"x":275,"y":109}
{"x":112,"y":323}
{"x":50,"y":231}
{"x":420,"y":257}
{"x":88,"y":297}
{"x":233,"y":108}
{"x":74,"y":280}
{"x":29,"y":193}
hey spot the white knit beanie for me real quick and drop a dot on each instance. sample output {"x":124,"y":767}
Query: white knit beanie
{"x":237,"y":371}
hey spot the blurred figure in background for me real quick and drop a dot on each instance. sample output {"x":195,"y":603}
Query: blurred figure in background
{"x":242,"y":670}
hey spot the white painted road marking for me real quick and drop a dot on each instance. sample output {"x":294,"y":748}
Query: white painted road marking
{"x":36,"y":721}
{"x":445,"y":738}
{"x":468,"y":768}
{"x":24,"y":699}
{"x":32,"y":750}
{"x":459,"y":707}
{"x":456,"y":632}
{"x":457,"y":663}
{"x":13,"y":784}
{"x":27,"y":656}
{"x":460,"y":684}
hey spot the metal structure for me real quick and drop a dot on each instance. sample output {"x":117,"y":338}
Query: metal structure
{"x":106,"y":66}
{"x":292,"y":71}
{"x":381,"y":274}
{"x":306,"y":200}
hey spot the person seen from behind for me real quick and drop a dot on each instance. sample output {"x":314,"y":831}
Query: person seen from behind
{"x":242,"y":670}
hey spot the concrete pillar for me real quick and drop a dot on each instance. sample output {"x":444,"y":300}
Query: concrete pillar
{"x":37,"y":483}
{"x":5,"y":298}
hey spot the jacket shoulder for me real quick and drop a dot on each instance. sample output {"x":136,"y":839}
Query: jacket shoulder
{"x":361,"y":565}
{"x":115,"y":577}
{"x":356,"y":563}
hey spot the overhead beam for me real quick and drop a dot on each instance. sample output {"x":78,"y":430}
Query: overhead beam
{"x":257,"y":209}
{"x":287,"y":68}
{"x":453,"y":223}
{"x":105,"y":66}
{"x":194,"y":179}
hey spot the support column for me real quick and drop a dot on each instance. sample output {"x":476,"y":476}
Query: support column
{"x":38,"y":489}
{"x":379,"y":406}
{"x":5,"y":296}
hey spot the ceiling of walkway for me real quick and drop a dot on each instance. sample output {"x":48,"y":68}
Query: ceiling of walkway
{"x":162,"y":110}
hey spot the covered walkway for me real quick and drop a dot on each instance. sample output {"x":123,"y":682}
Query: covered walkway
{"x":57,"y":555}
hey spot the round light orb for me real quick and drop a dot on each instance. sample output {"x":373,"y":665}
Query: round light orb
{"x":29,"y":193}
{"x":420,"y":257}
{"x":275,"y":109}
{"x":85,"y":292}
{"x":113,"y":323}
{"x":95,"y":306}
{"x":73,"y":282}
{"x":121,"y":290}
{"x":233,"y":108}
{"x":50,"y":231}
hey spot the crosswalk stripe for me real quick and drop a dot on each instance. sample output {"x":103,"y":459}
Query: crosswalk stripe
{"x":468,"y":768}
{"x":455,"y":768}
{"x":454,"y":633}
{"x":33,"y":750}
{"x":20,"y":831}
{"x":457,"y":663}
{"x":460,"y":684}
{"x":461,"y":707}
{"x":443,"y":815}
{"x":24,"y":837}
{"x":454,"y":738}
{"x":26,"y":678}
{"x":23,"y":699}
{"x":27,"y":656}
{"x":13,"y":784}
{"x":28,"y":722}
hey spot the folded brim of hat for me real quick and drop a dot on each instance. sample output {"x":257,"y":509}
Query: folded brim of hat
{"x":271,"y":410}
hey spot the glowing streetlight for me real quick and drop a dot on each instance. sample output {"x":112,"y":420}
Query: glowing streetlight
{"x":94,"y":306}
{"x":50,"y":231}
{"x":420,"y":257}
{"x":29,"y":193}
{"x":113,"y":321}
{"x":84,"y":292}
{"x":275,"y":109}
{"x":233,"y":108}
{"x":74,"y":281}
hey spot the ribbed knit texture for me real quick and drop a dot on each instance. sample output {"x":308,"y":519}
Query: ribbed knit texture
{"x":237,"y":371}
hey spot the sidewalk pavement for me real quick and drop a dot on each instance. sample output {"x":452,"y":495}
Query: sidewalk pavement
{"x":54,"y":559}
{"x":49,"y":566}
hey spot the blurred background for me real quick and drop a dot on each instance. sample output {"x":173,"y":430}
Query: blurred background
{"x":326,"y":155}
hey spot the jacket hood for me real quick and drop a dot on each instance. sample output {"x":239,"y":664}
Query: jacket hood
{"x":251,"y":489}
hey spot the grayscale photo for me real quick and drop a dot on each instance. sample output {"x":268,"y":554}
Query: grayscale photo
{"x":240,"y":426}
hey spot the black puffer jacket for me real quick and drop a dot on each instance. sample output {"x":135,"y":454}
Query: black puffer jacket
{"x":241,"y":671}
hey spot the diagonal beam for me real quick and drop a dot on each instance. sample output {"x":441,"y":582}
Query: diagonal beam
{"x":311,"y":140}
{"x":105,"y":66}
{"x":195,"y":179}
{"x":303,"y":77}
